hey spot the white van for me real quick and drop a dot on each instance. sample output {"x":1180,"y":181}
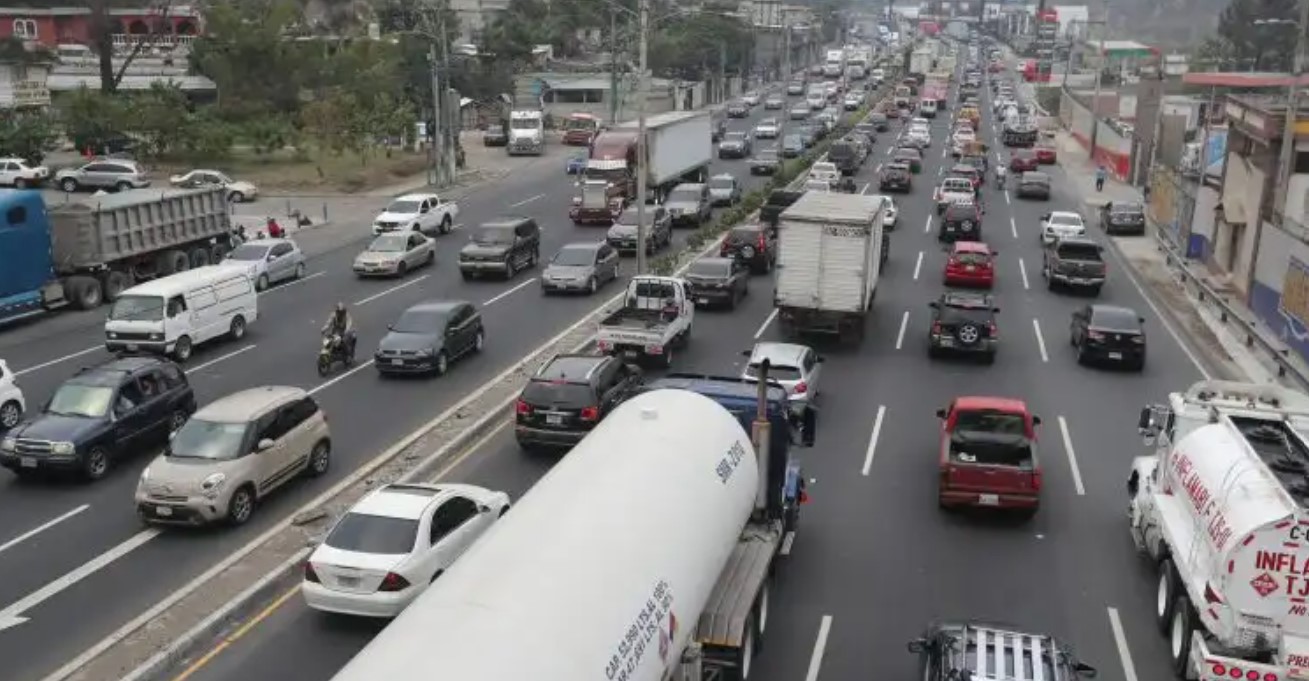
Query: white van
{"x":927,"y":108}
{"x":173,"y":314}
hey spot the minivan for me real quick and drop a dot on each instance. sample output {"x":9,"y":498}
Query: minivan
{"x":171,"y":315}
{"x":927,"y":108}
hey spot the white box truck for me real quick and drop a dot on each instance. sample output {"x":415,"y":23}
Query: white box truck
{"x":646,"y":554}
{"x":920,"y":61}
{"x":1219,"y":509}
{"x":679,"y":149}
{"x":830,"y":254}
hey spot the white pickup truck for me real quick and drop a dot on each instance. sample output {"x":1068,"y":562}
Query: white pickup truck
{"x":656,"y":315}
{"x":426,"y":213}
{"x":953,"y":189}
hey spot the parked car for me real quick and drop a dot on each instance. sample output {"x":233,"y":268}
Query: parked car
{"x":395,"y":254}
{"x":568,"y":396}
{"x":580,"y":267}
{"x":718,"y":281}
{"x":428,"y":336}
{"x":392,"y":544}
{"x":1108,"y":333}
{"x":20,"y":174}
{"x":268,"y":261}
{"x":12,"y":403}
{"x":230,"y":455}
{"x":963,"y":323}
{"x":237,"y":191}
{"x":502,"y":246}
{"x":797,"y":368}
{"x":753,"y":244}
{"x":988,"y":455}
{"x":724,"y":190}
{"x":115,"y":174}
{"x":1122,"y":217}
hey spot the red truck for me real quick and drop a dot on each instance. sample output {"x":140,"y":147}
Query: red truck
{"x":608,"y":180}
{"x":580,"y":129}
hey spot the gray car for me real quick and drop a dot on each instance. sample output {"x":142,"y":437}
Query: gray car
{"x":580,"y":267}
{"x":659,"y":230}
{"x":799,"y":112}
{"x":689,"y":204}
{"x":797,"y":367}
{"x":394,"y":254}
{"x":724,"y":190}
{"x":117,"y":174}
{"x":268,"y":261}
{"x":734,"y":145}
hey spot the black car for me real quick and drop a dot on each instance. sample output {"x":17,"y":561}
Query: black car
{"x":963,"y":322}
{"x":718,"y":281}
{"x":754,"y":245}
{"x":846,"y":156}
{"x":1033,"y":185}
{"x":1108,"y":333}
{"x":495,"y":136}
{"x":502,"y":246}
{"x":961,"y":221}
{"x":428,"y":336}
{"x":734,"y":145}
{"x":765,"y":162}
{"x":738,"y":110}
{"x":958,"y":651}
{"x":120,"y":408}
{"x":879,"y":121}
{"x":1122,"y":217}
{"x":568,"y":396}
{"x":895,"y":177}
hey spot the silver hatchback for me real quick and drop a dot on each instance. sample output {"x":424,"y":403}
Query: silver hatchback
{"x":109,"y":173}
{"x":796,"y":367}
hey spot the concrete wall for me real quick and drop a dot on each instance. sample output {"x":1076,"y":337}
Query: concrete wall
{"x":1280,"y":294}
{"x":1113,"y":150}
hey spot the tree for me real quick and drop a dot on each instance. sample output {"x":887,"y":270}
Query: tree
{"x":244,"y":51}
{"x":91,"y":116}
{"x":153,"y":118}
{"x":697,"y":45}
{"x":102,"y":29}
{"x":27,"y":135}
{"x":331,"y":121}
{"x":1266,"y":47}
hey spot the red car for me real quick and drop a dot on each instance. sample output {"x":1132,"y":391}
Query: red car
{"x":1023,"y":161}
{"x":988,"y":455}
{"x":1046,"y":154}
{"x":971,"y":263}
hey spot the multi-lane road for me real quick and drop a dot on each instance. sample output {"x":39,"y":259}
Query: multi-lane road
{"x":875,"y":559}
{"x":78,"y":563}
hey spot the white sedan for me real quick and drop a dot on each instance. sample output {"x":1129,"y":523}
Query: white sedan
{"x":1061,"y":224}
{"x":12,"y":403}
{"x":891,"y":215}
{"x":386,"y":550}
{"x":237,"y":191}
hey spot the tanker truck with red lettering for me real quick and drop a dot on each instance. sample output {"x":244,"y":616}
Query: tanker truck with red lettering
{"x":1219,"y":510}
{"x":645,"y":554}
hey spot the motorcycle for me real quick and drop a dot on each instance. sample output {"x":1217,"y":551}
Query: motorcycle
{"x":999,"y":178}
{"x":334,"y":350}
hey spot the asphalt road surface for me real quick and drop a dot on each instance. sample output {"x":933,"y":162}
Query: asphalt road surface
{"x":77,"y":561}
{"x":875,"y":560}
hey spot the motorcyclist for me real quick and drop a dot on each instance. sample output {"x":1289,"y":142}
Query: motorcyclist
{"x":1000,"y":173}
{"x":340,"y":324}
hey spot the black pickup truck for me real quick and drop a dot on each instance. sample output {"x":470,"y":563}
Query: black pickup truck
{"x":777,"y":202}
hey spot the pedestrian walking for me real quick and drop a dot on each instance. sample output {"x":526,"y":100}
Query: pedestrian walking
{"x":1100,"y":175}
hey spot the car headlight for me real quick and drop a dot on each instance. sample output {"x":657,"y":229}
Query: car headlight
{"x":156,"y":336}
{"x":63,"y":448}
{"x":145,"y":476}
{"x":8,"y":444}
{"x":213,"y":484}
{"x":426,"y":352}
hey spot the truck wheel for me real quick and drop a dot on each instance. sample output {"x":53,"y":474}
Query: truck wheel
{"x":85,"y":292}
{"x":445,"y":225}
{"x":171,"y":262}
{"x":199,"y":256}
{"x":115,"y":283}
{"x":217,"y":252}
{"x":761,"y":614}
{"x":744,"y":655}
{"x":1165,"y":596}
{"x":1179,"y":636}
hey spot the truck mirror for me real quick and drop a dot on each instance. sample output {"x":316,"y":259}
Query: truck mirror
{"x":809,"y":426}
{"x":747,"y":353}
{"x":918,"y":646}
{"x":1146,"y":419}
{"x":1036,"y":420}
{"x":1084,"y":670}
{"x":940,"y":413}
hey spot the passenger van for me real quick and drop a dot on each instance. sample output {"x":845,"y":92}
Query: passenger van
{"x":171,"y":315}
{"x":927,"y":108}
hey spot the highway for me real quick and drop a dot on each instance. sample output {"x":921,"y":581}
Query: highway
{"x":875,"y":560}
{"x":77,"y":560}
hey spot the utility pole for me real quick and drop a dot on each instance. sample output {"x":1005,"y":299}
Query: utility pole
{"x":1285,"y":159}
{"x":642,"y":232}
{"x":449,"y":126}
{"x":613,"y":66}
{"x":1100,"y":62}
{"x":434,"y":136}
{"x":722,"y":72}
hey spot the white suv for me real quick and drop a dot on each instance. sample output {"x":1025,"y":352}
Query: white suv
{"x":15,"y":172}
{"x":12,"y":404}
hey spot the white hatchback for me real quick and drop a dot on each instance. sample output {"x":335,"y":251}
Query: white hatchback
{"x":1061,"y":224}
{"x":12,"y":404}
{"x":386,"y":550}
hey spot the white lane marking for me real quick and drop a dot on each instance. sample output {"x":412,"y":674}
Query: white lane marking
{"x":767,"y":322}
{"x":216,"y":360}
{"x":58,"y":360}
{"x":501,"y":296}
{"x":1072,"y":457}
{"x":526,"y":201}
{"x":787,"y":541}
{"x":1006,"y":197}
{"x":1120,"y":640}
{"x":918,"y":265}
{"x":293,"y":282}
{"x":820,"y":646}
{"x":11,"y":616}
{"x":41,"y":528}
{"x":393,"y":289}
{"x":1040,"y":340}
{"x":904,"y":324}
{"x":865,"y":189}
{"x":1013,"y":228}
{"x":1022,"y":269}
{"x":927,"y":229}
{"x":337,"y":379}
{"x":872,"y":439}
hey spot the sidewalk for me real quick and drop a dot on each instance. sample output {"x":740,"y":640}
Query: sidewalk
{"x":1219,"y":335}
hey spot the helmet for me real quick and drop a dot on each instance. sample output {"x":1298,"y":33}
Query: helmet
{"x":340,"y":308}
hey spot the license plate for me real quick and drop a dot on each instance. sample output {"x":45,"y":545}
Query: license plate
{"x":348,"y":581}
{"x":554,"y":419}
{"x":27,"y":462}
{"x":971,"y":268}
{"x":163,"y":511}
{"x":1115,"y":355}
{"x":946,"y":343}
{"x":133,"y":347}
{"x":397,"y":362}
{"x":988,"y":499}
{"x":630,"y":354}
{"x":704,"y":301}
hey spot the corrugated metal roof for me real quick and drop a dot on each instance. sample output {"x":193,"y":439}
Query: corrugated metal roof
{"x":835,"y":206}
{"x":68,"y":82}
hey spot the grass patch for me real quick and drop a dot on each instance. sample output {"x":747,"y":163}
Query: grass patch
{"x":294,"y":171}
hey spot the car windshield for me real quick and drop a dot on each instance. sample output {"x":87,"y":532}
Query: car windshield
{"x":248,"y":253}
{"x":75,"y":399}
{"x":710,"y":268}
{"x":687,"y":195}
{"x":200,"y":439}
{"x":1065,"y":220}
{"x":494,"y":234}
{"x":990,"y":421}
{"x":382,"y":535}
{"x":579,"y":123}
{"x":131,"y":308}
{"x":1119,"y":207}
{"x":390,"y":243}
{"x":721,"y":183}
{"x":629,"y":217}
{"x":734,"y":137}
{"x":776,"y":372}
{"x":1115,"y":318}
{"x":403,"y":206}
{"x":524,"y":124}
{"x":420,"y":321}
{"x":573,"y":257}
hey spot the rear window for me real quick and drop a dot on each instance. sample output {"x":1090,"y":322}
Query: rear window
{"x":971,"y":258}
{"x":1112,"y":318}
{"x":711,"y":268}
{"x":743,"y":235}
{"x":1120,"y":207}
{"x":1076,"y":251}
{"x":776,"y":372}
{"x":363,"y":533}
{"x":558,"y":393}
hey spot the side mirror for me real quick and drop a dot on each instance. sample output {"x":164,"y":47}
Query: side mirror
{"x":935,"y":304}
{"x":1141,"y":319}
{"x":918,"y":646}
{"x":264,"y":445}
{"x":1084,"y":670}
{"x":1036,"y":420}
{"x":1146,"y":420}
{"x":821,"y":359}
{"x":483,"y":509}
{"x":940,"y":414}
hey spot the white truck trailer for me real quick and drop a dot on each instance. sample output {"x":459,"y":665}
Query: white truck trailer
{"x":830,"y":254}
{"x":1219,"y":509}
{"x":678,"y":149}
{"x":644,"y":555}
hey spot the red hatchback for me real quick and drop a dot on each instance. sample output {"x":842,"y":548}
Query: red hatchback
{"x":1046,"y":154}
{"x":988,"y":455}
{"x":1023,"y":161}
{"x":971,"y":263}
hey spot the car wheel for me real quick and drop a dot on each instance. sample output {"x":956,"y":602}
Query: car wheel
{"x":69,"y":185}
{"x":431,"y":258}
{"x":241,"y":506}
{"x":592,"y":286}
{"x":299,"y":271}
{"x":320,"y":459}
{"x":176,"y":420}
{"x":95,"y":465}
{"x":479,"y":343}
{"x":182,"y":349}
{"x":20,"y":183}
{"x":122,"y":186}
{"x":401,"y":269}
{"x":261,"y":284}
{"x":10,"y":415}
{"x":236,"y":197}
{"x":446,"y":225}
{"x":442,"y":363}
{"x":237,"y":330}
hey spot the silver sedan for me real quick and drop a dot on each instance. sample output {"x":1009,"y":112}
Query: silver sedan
{"x":394,"y":254}
{"x":268,"y":261}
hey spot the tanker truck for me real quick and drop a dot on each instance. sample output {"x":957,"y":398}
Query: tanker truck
{"x":1218,"y":508}
{"x":644,"y":555}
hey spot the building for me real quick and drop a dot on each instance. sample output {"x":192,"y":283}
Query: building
{"x":561,"y":94}
{"x":23,"y":76}
{"x":475,"y":16}
{"x":71,"y":24}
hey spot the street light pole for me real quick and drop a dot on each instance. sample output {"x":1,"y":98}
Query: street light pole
{"x":641,"y":161}
{"x":434,"y":135}
{"x":1099,"y":75}
{"x":1284,"y":161}
{"x":613,"y":66}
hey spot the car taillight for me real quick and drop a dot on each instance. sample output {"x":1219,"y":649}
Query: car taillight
{"x":995,"y":333}
{"x":763,"y":243}
{"x":952,"y":262}
{"x":1095,"y":335}
{"x":310,"y":574}
{"x":936,"y":328}
{"x":722,"y":252}
{"x":1036,"y":480}
{"x":524,"y":409}
{"x":603,"y":346}
{"x":393,"y":582}
{"x":590,"y":413}
{"x":800,"y":388}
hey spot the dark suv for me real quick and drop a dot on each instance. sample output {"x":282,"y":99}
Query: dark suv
{"x":961,"y":221}
{"x":568,"y":396}
{"x":502,"y":246}
{"x":895,"y":177}
{"x":963,"y":322}
{"x":960,"y":650}
{"x":125,"y":406}
{"x":754,"y":245}
{"x":1122,"y":217}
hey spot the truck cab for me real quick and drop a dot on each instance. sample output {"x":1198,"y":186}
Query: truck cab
{"x":526,"y":132}
{"x":25,"y":252}
{"x":598,"y":201}
{"x":580,"y":129}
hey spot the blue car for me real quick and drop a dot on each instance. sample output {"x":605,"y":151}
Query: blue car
{"x":576,"y":164}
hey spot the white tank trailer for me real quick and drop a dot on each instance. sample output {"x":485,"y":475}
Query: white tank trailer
{"x":623,"y":563}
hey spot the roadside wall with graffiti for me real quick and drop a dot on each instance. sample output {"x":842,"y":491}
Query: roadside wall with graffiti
{"x":1280,"y":294}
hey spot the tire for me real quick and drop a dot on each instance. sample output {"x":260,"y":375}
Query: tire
{"x":1095,"y":290}
{"x":85,"y":292}
{"x":115,"y":283}
{"x":10,"y":415}
{"x":431,"y":259}
{"x":299,"y":271}
{"x":237,"y":329}
{"x":68,"y":184}
{"x":511,"y":269}
{"x":171,"y":262}
{"x":446,"y":225}
{"x":1165,"y":596}
{"x":261,"y":284}
{"x":122,"y":186}
{"x":324,"y":365}
{"x":198,"y":257}
{"x":95,"y":465}
{"x":241,"y":507}
{"x":320,"y":459}
{"x":176,"y":420}
{"x":761,"y":608}
{"x":401,"y":270}
{"x":217,"y":252}
{"x":1179,"y":636}
{"x":20,"y":183}
{"x":236,"y":197}
{"x":442,"y":363}
{"x":592,"y":286}
{"x":479,"y":342}
{"x":743,"y":656}
{"x":182,"y":349}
